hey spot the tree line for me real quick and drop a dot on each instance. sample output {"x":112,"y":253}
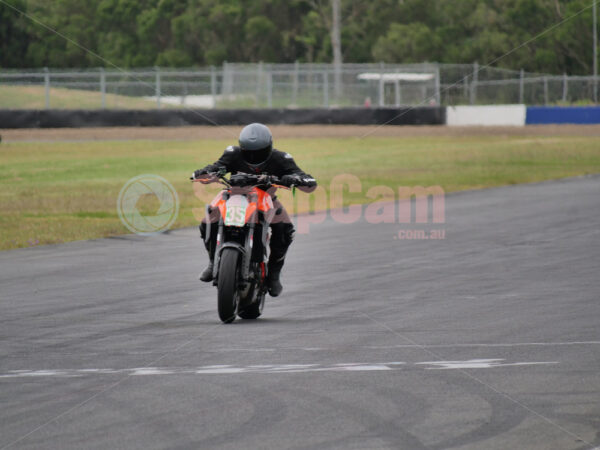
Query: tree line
{"x":145,"y":33}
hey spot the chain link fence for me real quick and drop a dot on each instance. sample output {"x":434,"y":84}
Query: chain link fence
{"x":289,"y":86}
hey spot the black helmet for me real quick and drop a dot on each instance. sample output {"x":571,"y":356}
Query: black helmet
{"x":256,"y":143}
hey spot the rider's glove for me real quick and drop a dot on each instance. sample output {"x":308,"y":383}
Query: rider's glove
{"x":298,"y":180}
{"x":288,"y":180}
{"x":198,"y":173}
{"x":308,"y":181}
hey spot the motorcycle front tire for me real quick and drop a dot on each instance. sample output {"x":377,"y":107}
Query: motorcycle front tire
{"x":227,"y":284}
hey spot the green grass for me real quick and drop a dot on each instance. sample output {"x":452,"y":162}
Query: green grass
{"x":57,"y":192}
{"x":34,"y":97}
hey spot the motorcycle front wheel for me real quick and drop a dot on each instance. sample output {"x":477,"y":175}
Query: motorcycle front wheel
{"x":227,"y":285}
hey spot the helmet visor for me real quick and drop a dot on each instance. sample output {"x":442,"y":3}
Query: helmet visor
{"x":256,"y":156}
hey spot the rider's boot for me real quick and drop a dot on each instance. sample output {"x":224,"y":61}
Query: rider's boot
{"x":282,"y":237}
{"x":207,"y":274}
{"x":273,"y":282}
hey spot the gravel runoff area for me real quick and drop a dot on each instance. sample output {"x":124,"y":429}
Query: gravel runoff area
{"x":287,"y":131}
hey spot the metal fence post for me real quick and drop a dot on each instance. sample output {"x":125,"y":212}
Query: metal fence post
{"x":473,"y":97}
{"x":103,"y":87}
{"x":213,"y":85}
{"x":184,"y":94}
{"x":259,"y":77}
{"x":438,"y":91}
{"x":565,"y":87}
{"x":381,"y":86}
{"x":157,"y":86}
{"x":47,"y":87}
{"x":521,"y":85}
{"x":295,"y":83}
{"x":270,"y":89}
{"x":227,"y":72}
{"x":397,"y":91}
{"x":325,"y":89}
{"x":545,"y":90}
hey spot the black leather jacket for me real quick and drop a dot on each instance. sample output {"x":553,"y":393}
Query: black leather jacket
{"x":278,"y":164}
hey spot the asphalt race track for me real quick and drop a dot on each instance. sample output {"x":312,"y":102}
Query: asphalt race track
{"x":489,"y":338}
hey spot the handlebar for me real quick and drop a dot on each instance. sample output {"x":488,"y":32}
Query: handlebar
{"x":240,"y":180}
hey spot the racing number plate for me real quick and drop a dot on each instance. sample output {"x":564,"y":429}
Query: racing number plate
{"x":236,"y":211}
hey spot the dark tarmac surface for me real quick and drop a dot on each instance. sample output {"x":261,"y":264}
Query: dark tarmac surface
{"x":489,"y":338}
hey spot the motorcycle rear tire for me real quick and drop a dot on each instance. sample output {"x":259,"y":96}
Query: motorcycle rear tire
{"x":227,"y":285}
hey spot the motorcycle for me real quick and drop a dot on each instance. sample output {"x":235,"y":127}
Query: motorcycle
{"x":241,"y":254}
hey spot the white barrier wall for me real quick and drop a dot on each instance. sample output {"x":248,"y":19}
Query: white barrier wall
{"x":486,"y":115}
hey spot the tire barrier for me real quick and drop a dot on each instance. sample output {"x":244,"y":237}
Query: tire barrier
{"x":64,"y":118}
{"x":513,"y":115}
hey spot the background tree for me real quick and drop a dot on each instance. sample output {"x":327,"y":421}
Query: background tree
{"x":13,"y":34}
{"x":144,"y":33}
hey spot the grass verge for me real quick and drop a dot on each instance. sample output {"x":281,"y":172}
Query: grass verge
{"x":34,"y":97}
{"x":58,"y":192}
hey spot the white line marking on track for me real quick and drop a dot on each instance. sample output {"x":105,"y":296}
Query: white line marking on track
{"x":478,"y":364}
{"x":225,"y":369}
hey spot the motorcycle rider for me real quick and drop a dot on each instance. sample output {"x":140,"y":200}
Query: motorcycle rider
{"x":256,"y":155}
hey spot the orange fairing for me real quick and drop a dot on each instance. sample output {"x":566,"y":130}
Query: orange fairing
{"x":250,"y":210}
{"x":219,"y":202}
{"x":264,"y":203}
